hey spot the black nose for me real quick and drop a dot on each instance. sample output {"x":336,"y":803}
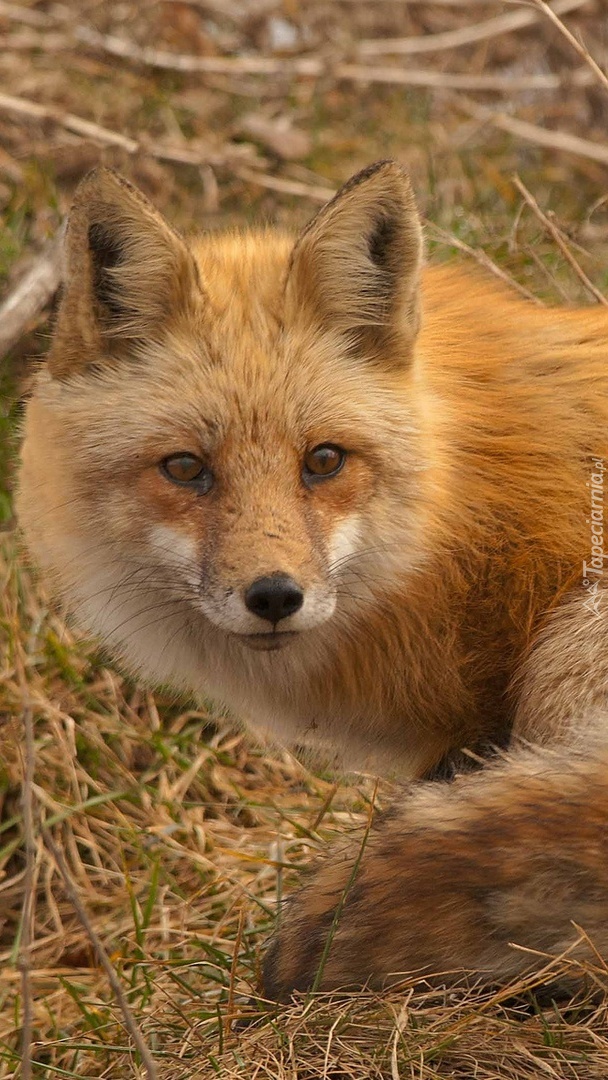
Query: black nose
{"x":274,"y":597}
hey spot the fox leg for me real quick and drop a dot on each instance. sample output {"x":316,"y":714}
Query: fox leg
{"x":457,"y":873}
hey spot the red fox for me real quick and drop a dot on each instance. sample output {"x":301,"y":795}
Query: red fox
{"x":361,"y":503}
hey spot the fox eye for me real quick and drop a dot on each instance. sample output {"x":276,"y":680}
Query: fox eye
{"x":189,"y":471}
{"x":325,"y":460}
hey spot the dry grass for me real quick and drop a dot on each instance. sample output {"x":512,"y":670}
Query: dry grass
{"x":177,"y":835}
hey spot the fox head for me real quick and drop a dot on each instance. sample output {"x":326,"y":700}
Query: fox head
{"x":224,"y":447}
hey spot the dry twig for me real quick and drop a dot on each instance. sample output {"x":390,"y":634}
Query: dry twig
{"x":558,"y":239}
{"x":24,"y":305}
{"x":178,"y":155}
{"x":482,"y":258}
{"x":315,"y":67}
{"x":552,"y":140}
{"x":29,"y":891}
{"x":32,"y":110}
{"x":316,"y":192}
{"x":312,"y":67}
{"x":104,"y":960}
{"x":464,"y":35}
{"x":25,"y":15}
{"x":231,"y":157}
{"x":580,"y":48}
{"x":456,"y":80}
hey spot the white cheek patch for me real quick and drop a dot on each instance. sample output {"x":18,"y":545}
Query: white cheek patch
{"x":345,"y":542}
{"x":176,"y":551}
{"x":112,"y":604}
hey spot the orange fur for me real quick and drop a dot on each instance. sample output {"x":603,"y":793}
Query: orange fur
{"x":441,"y":570}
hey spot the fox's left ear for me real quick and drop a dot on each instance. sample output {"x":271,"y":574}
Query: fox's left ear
{"x":126,"y":273}
{"x":356,"y":267}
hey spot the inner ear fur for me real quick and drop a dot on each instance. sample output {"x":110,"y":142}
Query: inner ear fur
{"x":126,"y":272}
{"x":356,"y":267}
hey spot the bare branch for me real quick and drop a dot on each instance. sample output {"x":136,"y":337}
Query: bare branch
{"x":553,"y":140}
{"x":24,"y":961}
{"x":577,"y":45}
{"x":315,"y":192}
{"x":558,"y":239}
{"x":482,"y":258}
{"x":30,"y":297}
{"x":238,"y":159}
{"x":33,"y":111}
{"x":448,"y":80}
{"x":25,"y":15}
{"x":315,"y":67}
{"x":465,"y":35}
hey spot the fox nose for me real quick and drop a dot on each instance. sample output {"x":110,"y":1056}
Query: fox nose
{"x":274,"y":597}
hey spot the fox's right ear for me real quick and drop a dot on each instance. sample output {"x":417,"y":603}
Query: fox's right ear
{"x":126,"y":273}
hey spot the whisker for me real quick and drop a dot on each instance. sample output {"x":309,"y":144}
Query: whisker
{"x":164,"y":604}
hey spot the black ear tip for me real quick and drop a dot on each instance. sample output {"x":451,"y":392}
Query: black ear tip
{"x":387,"y":168}
{"x":92,"y":181}
{"x":101,"y":185}
{"x":385,"y":165}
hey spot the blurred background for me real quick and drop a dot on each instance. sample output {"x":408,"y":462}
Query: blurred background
{"x":179,"y":835}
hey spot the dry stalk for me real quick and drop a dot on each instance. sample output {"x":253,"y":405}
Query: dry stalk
{"x":316,"y":192}
{"x":578,"y":46}
{"x":314,"y":68}
{"x":448,"y":80}
{"x":482,"y":258}
{"x":558,"y":239}
{"x":25,"y":15}
{"x":181,"y":155}
{"x":409,"y":46}
{"x":31,"y":110}
{"x":308,"y":67}
{"x":465,"y":35}
{"x":230,"y":1011}
{"x":24,"y":305}
{"x":24,"y":961}
{"x":104,"y":960}
{"x":178,"y":155}
{"x":552,"y":140}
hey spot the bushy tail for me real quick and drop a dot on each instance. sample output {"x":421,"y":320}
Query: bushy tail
{"x":455,"y":877}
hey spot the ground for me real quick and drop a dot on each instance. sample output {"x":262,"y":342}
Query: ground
{"x":180,"y":836}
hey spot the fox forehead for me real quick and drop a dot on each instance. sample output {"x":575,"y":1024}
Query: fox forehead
{"x":244,"y":274}
{"x":232,"y":381}
{"x":171,"y":395}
